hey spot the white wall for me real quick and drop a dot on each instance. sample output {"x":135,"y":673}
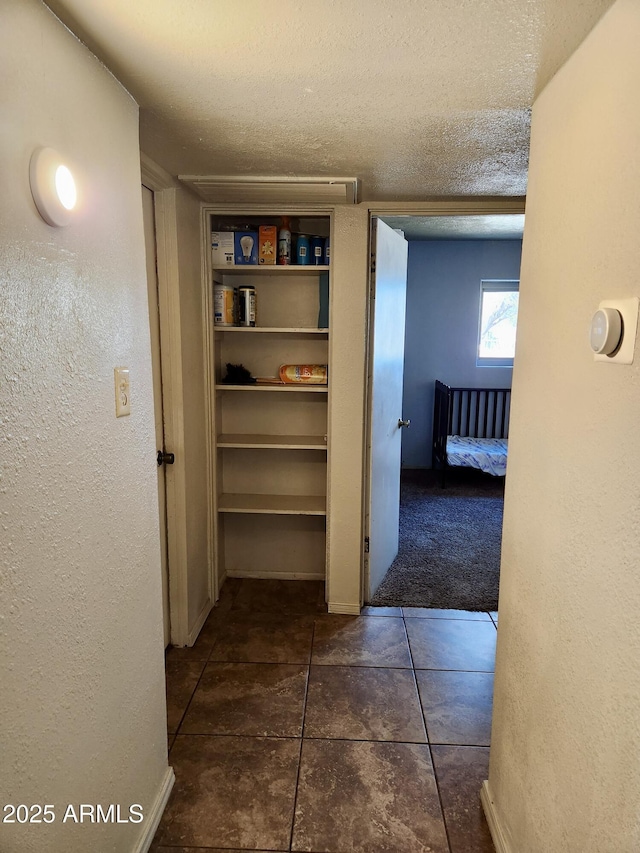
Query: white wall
{"x":441,"y":340}
{"x":81,"y":668}
{"x":565,"y":756}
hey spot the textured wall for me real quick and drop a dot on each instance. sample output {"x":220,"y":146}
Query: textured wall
{"x":443,"y":303}
{"x":82,"y":699}
{"x":565,"y":768}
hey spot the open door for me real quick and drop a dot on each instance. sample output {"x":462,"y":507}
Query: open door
{"x":386,"y":368}
{"x":154,"y":326}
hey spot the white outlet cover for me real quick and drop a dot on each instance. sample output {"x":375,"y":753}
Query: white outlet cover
{"x":123,"y":398}
{"x":628,"y":308}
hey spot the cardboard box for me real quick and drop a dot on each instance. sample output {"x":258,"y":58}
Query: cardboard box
{"x":267,"y":244}
{"x":222,"y":249}
{"x":246,"y":248}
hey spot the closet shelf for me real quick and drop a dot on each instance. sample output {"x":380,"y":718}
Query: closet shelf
{"x":254,"y":330}
{"x":297,"y":389}
{"x":273,"y":442}
{"x":271,"y":269}
{"x":272,"y":504}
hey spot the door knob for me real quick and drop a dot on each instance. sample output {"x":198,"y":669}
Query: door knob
{"x":406,"y":423}
{"x":165,"y":458}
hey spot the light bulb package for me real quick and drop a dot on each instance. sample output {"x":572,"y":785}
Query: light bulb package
{"x":246,"y":248}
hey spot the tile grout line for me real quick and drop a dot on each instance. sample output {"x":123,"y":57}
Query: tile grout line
{"x":304,"y":715}
{"x":424,"y":722}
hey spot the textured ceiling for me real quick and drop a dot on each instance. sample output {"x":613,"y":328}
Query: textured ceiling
{"x":494,"y":227}
{"x":415,"y":97}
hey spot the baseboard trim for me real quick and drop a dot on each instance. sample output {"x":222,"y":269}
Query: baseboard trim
{"x":279,"y":576}
{"x":495,"y":827}
{"x":152,"y":820}
{"x":197,"y":626}
{"x":349,"y":609}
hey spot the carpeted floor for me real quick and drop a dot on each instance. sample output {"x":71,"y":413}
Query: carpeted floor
{"x":449,"y":554}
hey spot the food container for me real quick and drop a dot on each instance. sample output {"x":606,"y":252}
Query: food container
{"x":303,"y":255}
{"x":246,"y":305}
{"x":317,"y":250}
{"x":304,"y":374}
{"x":223,"y":305}
{"x":327,"y":252}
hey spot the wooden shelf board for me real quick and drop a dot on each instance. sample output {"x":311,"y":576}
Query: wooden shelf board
{"x":275,"y":442}
{"x":273,"y":504}
{"x":298,"y":389}
{"x":271,"y":269}
{"x":253,"y":330}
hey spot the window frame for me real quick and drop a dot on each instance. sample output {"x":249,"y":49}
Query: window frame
{"x":490,"y":285}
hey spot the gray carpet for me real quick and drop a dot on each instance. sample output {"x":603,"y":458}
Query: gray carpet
{"x":449,"y":552}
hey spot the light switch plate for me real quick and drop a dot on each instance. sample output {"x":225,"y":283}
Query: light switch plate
{"x":629,"y":310}
{"x":123,"y":400}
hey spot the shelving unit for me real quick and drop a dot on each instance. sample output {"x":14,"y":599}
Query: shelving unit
{"x":270,"y":440}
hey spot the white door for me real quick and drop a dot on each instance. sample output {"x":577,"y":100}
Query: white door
{"x":154,"y":325}
{"x":386,"y":368}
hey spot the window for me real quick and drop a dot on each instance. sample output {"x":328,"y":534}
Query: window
{"x":498,"y":319}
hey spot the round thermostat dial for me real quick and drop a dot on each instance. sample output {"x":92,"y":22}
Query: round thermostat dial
{"x":606,"y":331}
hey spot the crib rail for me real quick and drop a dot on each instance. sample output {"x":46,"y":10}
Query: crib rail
{"x":477,"y":412}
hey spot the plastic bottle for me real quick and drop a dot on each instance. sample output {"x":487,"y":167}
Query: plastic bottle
{"x":284,"y":242}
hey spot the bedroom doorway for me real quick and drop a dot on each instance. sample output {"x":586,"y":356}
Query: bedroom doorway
{"x":448,"y":539}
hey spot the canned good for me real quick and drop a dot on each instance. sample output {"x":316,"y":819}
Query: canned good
{"x":302,"y":250}
{"x":246,"y":305}
{"x":317,"y":250}
{"x":223,"y":305}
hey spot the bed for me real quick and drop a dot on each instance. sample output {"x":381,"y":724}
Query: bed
{"x":471,"y":428}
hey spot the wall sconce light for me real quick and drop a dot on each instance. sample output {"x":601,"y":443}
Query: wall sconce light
{"x":52,"y":186}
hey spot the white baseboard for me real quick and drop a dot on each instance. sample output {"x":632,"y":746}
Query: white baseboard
{"x":279,"y":576}
{"x":197,"y":625}
{"x":495,"y":827}
{"x":349,"y":609}
{"x":152,"y":820}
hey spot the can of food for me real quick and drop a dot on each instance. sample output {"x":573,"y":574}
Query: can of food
{"x":317,"y":250}
{"x":246,"y":305}
{"x":303,"y":374}
{"x":303,"y":257}
{"x":223,"y":307}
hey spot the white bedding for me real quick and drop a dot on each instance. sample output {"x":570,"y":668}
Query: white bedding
{"x":487,"y":454}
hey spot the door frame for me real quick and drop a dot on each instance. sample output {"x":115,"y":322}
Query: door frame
{"x":163,"y":186}
{"x":451,"y":207}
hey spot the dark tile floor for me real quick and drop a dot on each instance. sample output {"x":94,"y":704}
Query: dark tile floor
{"x":294,"y":730}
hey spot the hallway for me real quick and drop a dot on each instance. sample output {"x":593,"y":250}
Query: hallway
{"x":292,"y":729}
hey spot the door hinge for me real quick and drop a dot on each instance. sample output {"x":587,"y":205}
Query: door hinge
{"x":366,"y":544}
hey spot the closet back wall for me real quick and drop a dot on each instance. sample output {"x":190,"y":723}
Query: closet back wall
{"x":443,"y":303}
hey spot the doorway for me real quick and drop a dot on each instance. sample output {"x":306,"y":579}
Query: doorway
{"x":449,"y":257}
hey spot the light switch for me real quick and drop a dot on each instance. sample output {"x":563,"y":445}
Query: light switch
{"x":123,"y":401}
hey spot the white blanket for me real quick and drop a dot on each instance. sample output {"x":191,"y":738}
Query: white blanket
{"x":487,"y":454}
